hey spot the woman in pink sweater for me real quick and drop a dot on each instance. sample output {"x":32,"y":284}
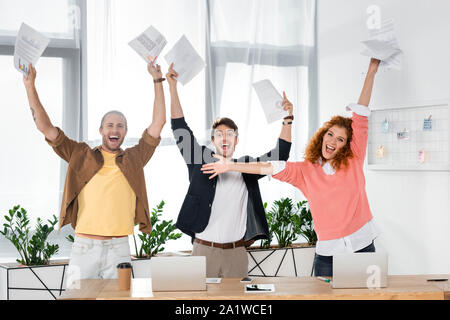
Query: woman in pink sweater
{"x":331,"y":178}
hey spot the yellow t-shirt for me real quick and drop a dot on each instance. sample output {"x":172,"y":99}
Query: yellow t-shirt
{"x":107,"y":204}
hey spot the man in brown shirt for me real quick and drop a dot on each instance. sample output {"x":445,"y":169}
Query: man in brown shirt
{"x":104,"y":193}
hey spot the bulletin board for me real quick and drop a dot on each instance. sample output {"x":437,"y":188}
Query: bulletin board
{"x":412,"y":137}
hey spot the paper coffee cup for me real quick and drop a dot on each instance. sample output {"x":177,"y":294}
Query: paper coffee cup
{"x":124,"y":272}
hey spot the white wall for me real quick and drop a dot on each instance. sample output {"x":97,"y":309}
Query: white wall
{"x":411,"y":208}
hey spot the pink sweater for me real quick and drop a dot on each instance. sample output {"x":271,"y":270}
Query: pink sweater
{"x":338,"y":202}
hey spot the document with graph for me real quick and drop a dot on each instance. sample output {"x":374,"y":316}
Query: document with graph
{"x":149,"y":44}
{"x":29,"y":47}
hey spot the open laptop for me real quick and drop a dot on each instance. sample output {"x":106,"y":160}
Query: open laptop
{"x":360,"y":270}
{"x":178,"y":273}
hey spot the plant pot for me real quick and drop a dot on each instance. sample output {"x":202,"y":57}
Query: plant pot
{"x":294,"y":261}
{"x":19,"y":282}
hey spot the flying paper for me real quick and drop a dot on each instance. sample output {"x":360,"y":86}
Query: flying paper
{"x":271,"y":100}
{"x":29,"y":47}
{"x":383,"y":45}
{"x":149,"y":44}
{"x":186,"y":61}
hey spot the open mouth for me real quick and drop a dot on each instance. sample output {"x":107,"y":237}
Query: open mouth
{"x":225,"y":147}
{"x":113,"y":139}
{"x":330,"y":149}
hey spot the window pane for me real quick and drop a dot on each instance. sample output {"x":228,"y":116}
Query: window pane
{"x":47,"y":16}
{"x":118,"y":77}
{"x":279,"y":23}
{"x":240,"y":103}
{"x":256,"y":137}
{"x":167,"y":179}
{"x":29,"y":169}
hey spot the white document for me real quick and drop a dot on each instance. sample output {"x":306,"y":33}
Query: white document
{"x":383,"y":45}
{"x":379,"y":49}
{"x":213,"y":280}
{"x":186,"y":61}
{"x":259,"y":288}
{"x":141,"y":288}
{"x":271,"y":100}
{"x":29,"y":47}
{"x":149,"y":44}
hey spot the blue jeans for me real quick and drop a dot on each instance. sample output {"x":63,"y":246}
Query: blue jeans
{"x":323,"y":265}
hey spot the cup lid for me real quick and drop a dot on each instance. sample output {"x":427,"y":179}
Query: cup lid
{"x":124,"y":265}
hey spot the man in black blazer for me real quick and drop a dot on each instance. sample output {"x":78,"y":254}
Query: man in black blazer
{"x":225,"y":214}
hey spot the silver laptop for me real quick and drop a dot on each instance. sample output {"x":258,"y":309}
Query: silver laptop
{"x":178,"y":273}
{"x":360,"y":270}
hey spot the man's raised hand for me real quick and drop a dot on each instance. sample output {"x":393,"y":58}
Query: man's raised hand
{"x":172,"y":76}
{"x":31,"y":78}
{"x":154,"y":70}
{"x":287,"y":105}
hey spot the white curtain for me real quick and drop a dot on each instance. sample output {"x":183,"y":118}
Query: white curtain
{"x":118,"y":77}
{"x":263,"y":39}
{"x":241,"y":42}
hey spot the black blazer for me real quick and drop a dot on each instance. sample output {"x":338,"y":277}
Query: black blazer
{"x":196,"y":209}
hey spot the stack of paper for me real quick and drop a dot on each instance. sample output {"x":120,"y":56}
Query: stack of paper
{"x":29,"y":47}
{"x":383,"y":45}
{"x":186,"y":61}
{"x":271,"y":100}
{"x":213,"y":280}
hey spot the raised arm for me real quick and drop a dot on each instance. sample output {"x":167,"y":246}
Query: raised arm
{"x":360,"y":122}
{"x":40,"y":116}
{"x":159,"y":105}
{"x":286,"y":131}
{"x":176,"y":111}
{"x":188,"y":145}
{"x":366,"y":92}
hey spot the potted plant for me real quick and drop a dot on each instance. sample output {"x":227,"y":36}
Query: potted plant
{"x":33,"y":275}
{"x":287,"y":222}
{"x":152,"y":244}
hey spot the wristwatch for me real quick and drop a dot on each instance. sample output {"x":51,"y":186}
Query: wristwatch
{"x":159,"y":80}
{"x":288,"y":118}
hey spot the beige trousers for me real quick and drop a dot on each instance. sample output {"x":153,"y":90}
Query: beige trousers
{"x":223,"y":263}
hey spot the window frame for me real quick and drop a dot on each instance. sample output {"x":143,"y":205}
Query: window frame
{"x":74,"y":77}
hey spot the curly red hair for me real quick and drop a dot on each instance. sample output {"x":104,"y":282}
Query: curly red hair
{"x":314,"y":148}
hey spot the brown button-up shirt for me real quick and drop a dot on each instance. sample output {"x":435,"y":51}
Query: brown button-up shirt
{"x":85,"y":162}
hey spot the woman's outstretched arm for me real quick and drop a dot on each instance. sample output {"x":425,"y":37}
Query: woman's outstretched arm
{"x":366,"y":91}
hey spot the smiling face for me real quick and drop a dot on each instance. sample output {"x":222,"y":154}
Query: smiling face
{"x":113,"y":131}
{"x":333,"y":141}
{"x":225,"y":140}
